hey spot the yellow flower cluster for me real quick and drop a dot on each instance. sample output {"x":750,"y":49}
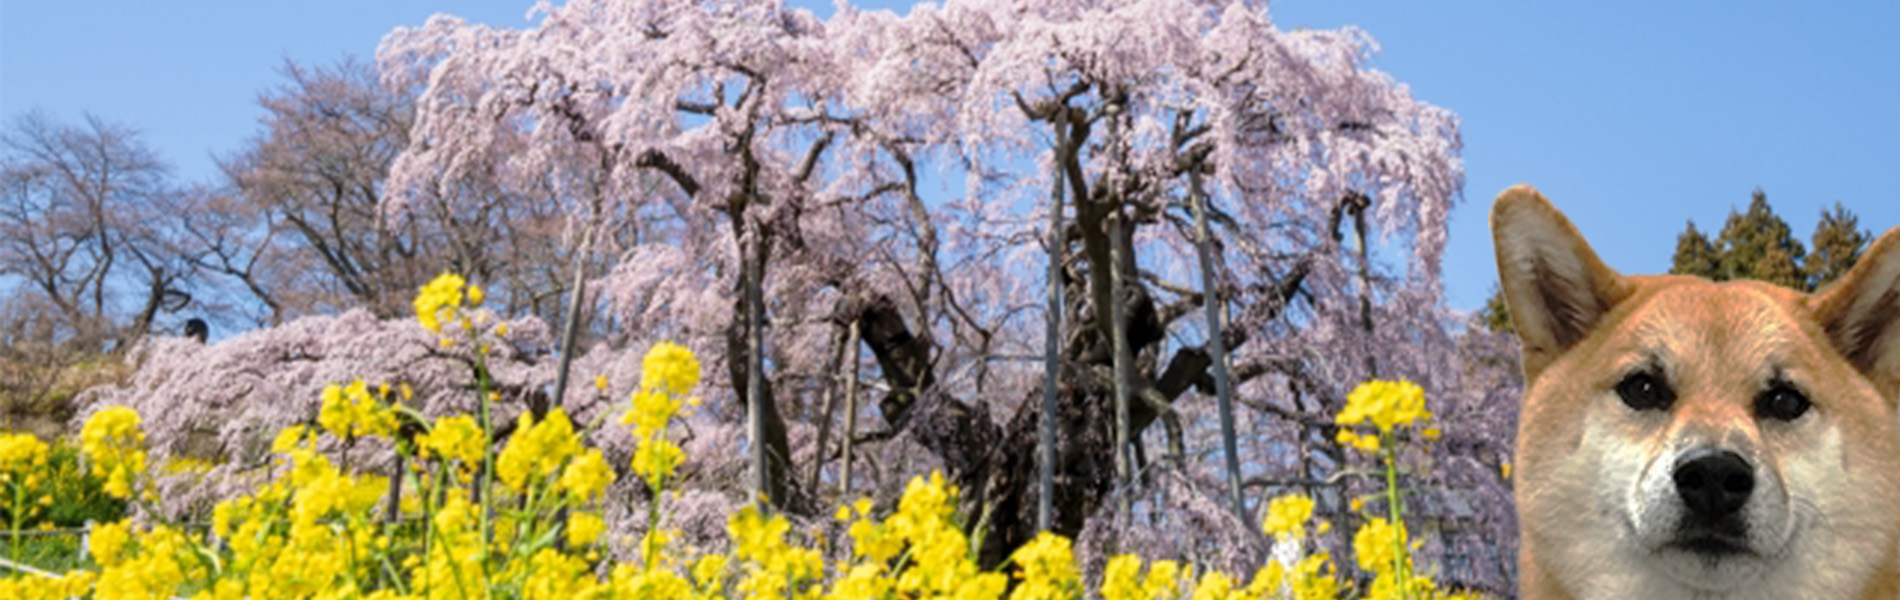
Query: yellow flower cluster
{"x":1309,"y":577}
{"x":668,"y":372}
{"x":71,"y":585}
{"x":537,"y":450}
{"x":314,"y":532}
{"x":112,"y":440}
{"x":442,"y":298}
{"x":1383,"y":548}
{"x":651,"y":412}
{"x":1385,"y":405}
{"x":165,"y":561}
{"x":351,"y":411}
{"x":584,"y":528}
{"x":773,"y":567}
{"x":21,"y":455}
{"x":1377,"y":546}
{"x":587,"y":476}
{"x":1287,"y":516}
{"x":317,"y":530}
{"x":669,"y":369}
{"x":921,"y":551}
{"x":455,"y":438}
{"x":1048,"y":570}
{"x":22,"y":479}
{"x":1122,"y":579}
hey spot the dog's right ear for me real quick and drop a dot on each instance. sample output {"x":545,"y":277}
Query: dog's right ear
{"x":1554,"y":285}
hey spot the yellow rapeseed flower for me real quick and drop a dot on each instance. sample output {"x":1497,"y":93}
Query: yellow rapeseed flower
{"x":587,"y":475}
{"x":439,"y":300}
{"x":107,"y":542}
{"x":351,"y":411}
{"x":1368,"y":443}
{"x":670,"y":369}
{"x":1386,"y":404}
{"x":584,"y":528}
{"x":21,"y":454}
{"x":1121,"y":579}
{"x":454,"y":438}
{"x":1287,"y":516}
{"x":112,"y":440}
{"x":656,"y":459}
{"x":772,"y":566}
{"x":1313,"y":579}
{"x":1048,"y":570}
{"x":650,"y":414}
{"x":537,"y":450}
{"x":1376,"y":546}
{"x":288,"y":439}
{"x":709,"y":572}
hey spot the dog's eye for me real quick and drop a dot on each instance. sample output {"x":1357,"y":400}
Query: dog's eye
{"x":1643,"y":391}
{"x":1781,"y":402}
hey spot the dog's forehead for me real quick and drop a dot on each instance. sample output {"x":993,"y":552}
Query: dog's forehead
{"x":1750,"y":324}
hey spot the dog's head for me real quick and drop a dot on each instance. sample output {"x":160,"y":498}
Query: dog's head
{"x":1713,"y":436}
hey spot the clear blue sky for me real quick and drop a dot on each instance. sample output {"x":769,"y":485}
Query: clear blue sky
{"x":1632,"y":116}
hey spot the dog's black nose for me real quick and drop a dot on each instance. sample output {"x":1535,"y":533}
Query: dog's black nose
{"x":1714,"y":484}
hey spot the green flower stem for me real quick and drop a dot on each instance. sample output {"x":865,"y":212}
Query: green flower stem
{"x":653,"y":515}
{"x":428,"y":518}
{"x":488,"y":456}
{"x":1400,"y":557}
{"x":19,"y":508}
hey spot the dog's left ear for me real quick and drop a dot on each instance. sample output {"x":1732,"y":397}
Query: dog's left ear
{"x":1861,"y":312}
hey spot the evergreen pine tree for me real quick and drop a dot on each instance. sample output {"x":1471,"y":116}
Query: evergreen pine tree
{"x":1496,"y":316}
{"x":1757,"y":244}
{"x":1837,"y":241}
{"x":1696,"y":255}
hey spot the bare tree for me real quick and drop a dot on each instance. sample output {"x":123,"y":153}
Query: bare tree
{"x":304,"y":228}
{"x":89,"y":258}
{"x":77,"y":228}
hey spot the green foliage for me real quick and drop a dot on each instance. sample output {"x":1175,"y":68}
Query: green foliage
{"x":80,"y":497}
{"x":1496,"y":316}
{"x":1837,"y":243}
{"x":1696,"y":255}
{"x":1757,"y":244}
{"x":54,"y":553}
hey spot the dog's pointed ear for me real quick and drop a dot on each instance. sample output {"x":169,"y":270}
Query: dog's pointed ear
{"x":1554,"y":285}
{"x":1861,"y":313}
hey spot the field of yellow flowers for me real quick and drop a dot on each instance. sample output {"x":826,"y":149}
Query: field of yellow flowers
{"x":526,"y":522}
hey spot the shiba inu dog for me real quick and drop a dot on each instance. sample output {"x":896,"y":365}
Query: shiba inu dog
{"x":1682,"y":438}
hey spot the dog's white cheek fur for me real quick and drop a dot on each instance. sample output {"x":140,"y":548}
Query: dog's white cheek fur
{"x":1826,"y":558}
{"x":1587,"y":510}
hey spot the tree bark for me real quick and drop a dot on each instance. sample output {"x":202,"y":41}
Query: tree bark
{"x":1052,"y":340}
{"x":1216,"y":346}
{"x":1123,"y":359}
{"x":996,"y":467}
{"x":771,"y":454}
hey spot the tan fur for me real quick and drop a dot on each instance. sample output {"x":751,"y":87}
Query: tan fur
{"x":1593,"y":486}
